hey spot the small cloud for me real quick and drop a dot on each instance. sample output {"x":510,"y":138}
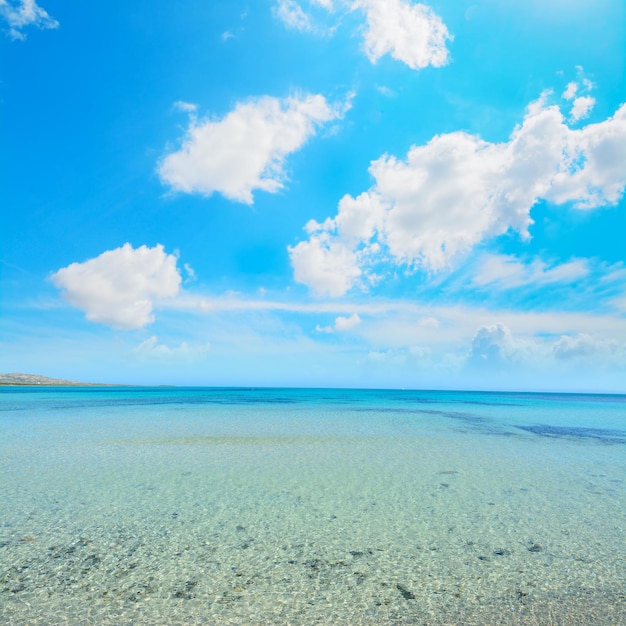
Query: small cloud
{"x":411,"y":33}
{"x":290,"y":13}
{"x":152,"y":350}
{"x":294,"y":17}
{"x":323,"y":329}
{"x":342,"y":324}
{"x":376,"y":356}
{"x":120,"y":286}
{"x":347,"y":323}
{"x":24,"y":13}
{"x":226,"y":35}
{"x":581,"y":108}
{"x":570,"y":91}
{"x":246,"y":150}
{"x":186,"y":107}
{"x":326,"y":267}
{"x":495,"y":346}
{"x":191,"y":274}
{"x":386,"y":91}
{"x":582,"y":346}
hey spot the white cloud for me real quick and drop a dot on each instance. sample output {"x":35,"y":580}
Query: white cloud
{"x":508,"y":272}
{"x":576,"y":93}
{"x":411,"y":33}
{"x":342,"y":324}
{"x":498,"y":351}
{"x":120,"y":286}
{"x":457,"y":190}
{"x":495,"y":345}
{"x":191,"y":274}
{"x":328,"y":268}
{"x":152,"y":350}
{"x":292,"y":15}
{"x":581,"y":108}
{"x":186,"y":107}
{"x":591,"y":172}
{"x":386,"y":91}
{"x":583,"y":345}
{"x":22,"y":14}
{"x":245,"y":150}
{"x":347,"y":323}
{"x":570,"y":91}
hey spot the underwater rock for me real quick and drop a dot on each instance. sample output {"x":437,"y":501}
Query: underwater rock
{"x":185,"y":591}
{"x":406,"y":594}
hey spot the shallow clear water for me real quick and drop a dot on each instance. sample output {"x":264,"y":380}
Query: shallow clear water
{"x":272,"y":506}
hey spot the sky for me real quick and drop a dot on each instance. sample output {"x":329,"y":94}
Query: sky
{"x":317,"y":193}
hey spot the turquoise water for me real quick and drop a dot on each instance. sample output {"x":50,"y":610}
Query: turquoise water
{"x":275,"y":506}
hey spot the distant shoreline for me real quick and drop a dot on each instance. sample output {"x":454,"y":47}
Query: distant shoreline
{"x":34,"y":380}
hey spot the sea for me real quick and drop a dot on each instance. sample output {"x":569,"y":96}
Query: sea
{"x":124,"y":505}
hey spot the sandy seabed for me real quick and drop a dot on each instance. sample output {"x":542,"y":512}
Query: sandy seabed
{"x":453,"y":526}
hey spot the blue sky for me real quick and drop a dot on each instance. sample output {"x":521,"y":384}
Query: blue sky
{"x":359,"y":193}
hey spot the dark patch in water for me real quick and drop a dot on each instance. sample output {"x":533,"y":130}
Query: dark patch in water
{"x":418,"y":400}
{"x":455,"y":415}
{"x":406,"y":594}
{"x":604,"y":435}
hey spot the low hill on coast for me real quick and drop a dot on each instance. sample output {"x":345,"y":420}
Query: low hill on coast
{"x":33,"y":379}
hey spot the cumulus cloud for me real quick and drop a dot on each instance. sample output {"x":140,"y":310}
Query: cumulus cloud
{"x":582,"y":345}
{"x":120,"y":286}
{"x":445,"y":197}
{"x":570,"y":91}
{"x":347,"y":323}
{"x":576,"y":93}
{"x":495,"y":345}
{"x":411,"y":33}
{"x":328,"y":268}
{"x":246,"y":149}
{"x":342,"y":324}
{"x":292,"y":15}
{"x":509,"y":272}
{"x":18,"y":15}
{"x":590,"y":172}
{"x":581,"y":108}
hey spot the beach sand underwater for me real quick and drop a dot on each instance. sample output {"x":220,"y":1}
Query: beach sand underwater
{"x":293,"y":506}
